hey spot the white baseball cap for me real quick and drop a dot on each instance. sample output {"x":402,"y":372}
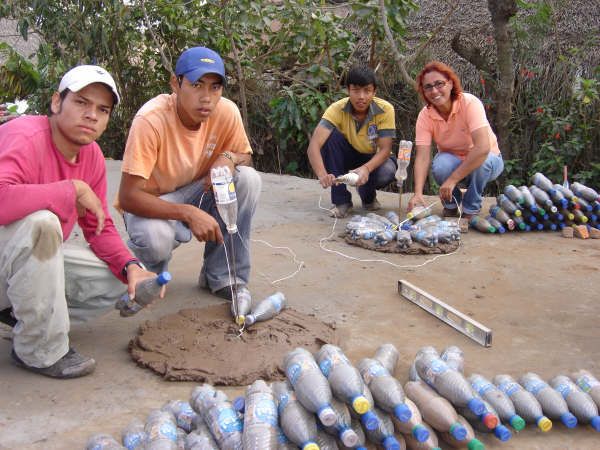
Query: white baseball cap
{"x":81,"y":76}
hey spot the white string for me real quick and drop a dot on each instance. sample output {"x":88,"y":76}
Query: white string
{"x":384,"y":261}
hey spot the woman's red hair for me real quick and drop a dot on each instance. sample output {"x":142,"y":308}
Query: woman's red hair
{"x":449,"y":74}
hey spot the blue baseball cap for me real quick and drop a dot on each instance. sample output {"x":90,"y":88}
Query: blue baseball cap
{"x":196,"y":62}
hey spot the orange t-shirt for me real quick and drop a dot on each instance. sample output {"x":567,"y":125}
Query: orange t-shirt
{"x":167,"y":154}
{"x":454,"y":135}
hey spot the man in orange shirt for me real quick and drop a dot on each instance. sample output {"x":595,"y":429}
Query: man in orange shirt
{"x":174,"y":142}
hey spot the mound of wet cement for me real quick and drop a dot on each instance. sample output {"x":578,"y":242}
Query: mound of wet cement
{"x":204,"y":344}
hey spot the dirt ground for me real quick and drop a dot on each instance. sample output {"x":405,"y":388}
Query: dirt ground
{"x":538,"y":292}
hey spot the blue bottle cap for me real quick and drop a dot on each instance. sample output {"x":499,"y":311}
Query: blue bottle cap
{"x":458,"y":432}
{"x":476,"y":406}
{"x":595,"y":423}
{"x":369,"y":420}
{"x":420,"y":433}
{"x":502,"y":433}
{"x":390,"y":443}
{"x":501,"y":230}
{"x":568,"y":419}
{"x":239,"y":403}
{"x":163,"y":278}
{"x":402,"y":412}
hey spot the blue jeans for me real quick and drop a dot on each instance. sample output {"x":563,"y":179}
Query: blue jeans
{"x":153,"y":240}
{"x":339,"y":157}
{"x":445,"y":163}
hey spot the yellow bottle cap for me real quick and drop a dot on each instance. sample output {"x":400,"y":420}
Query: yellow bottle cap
{"x":311,"y":447}
{"x":240,"y":320}
{"x":544,"y":424}
{"x":361,"y":405}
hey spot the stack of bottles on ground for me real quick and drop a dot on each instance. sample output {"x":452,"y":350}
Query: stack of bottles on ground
{"x":327,"y":403}
{"x":543,"y":206}
{"x":419,"y":226}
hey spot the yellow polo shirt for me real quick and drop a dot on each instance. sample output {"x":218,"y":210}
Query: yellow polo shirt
{"x":380,"y":122}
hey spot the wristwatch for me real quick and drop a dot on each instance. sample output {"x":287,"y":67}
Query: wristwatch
{"x":137,"y":262}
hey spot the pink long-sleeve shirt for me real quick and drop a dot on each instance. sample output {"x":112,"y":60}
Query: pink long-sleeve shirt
{"x":34,"y":176}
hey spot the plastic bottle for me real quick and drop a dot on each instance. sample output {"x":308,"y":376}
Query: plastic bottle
{"x":498,"y":399}
{"x":393,"y":217}
{"x":414,"y":427}
{"x":579,"y":403}
{"x":403,"y":239}
{"x":487,"y":423}
{"x":515,"y":195}
{"x":579,"y":216}
{"x":507,"y":205}
{"x":349,"y":178}
{"x":311,"y":386}
{"x":386,"y":390}
{"x":426,"y":221}
{"x":183,"y":412}
{"x":403,"y":160}
{"x":260,"y":418}
{"x":499,"y":214}
{"x":133,"y":435}
{"x":344,"y":379}
{"x":567,"y":193}
{"x":360,"y":433}
{"x":146,"y":291}
{"x":529,"y":217}
{"x":225,"y":197}
{"x":342,"y":427}
{"x":558,"y":198}
{"x":587,"y":193}
{"x":387,"y":355}
{"x":447,"y":382}
{"x":419,"y":212}
{"x":431,"y":443}
{"x":266,"y":309}
{"x":297,"y":423}
{"x":525,"y":403}
{"x":588,"y":383}
{"x":520,"y":224}
{"x":387,"y":224}
{"x":241,"y":307}
{"x":549,"y":225}
{"x":383,"y":434}
{"x":454,"y":358}
{"x":435,"y":410}
{"x":553,"y":404}
{"x":543,"y":199}
{"x":427,"y":237}
{"x":528,"y":199}
{"x":383,"y":237}
{"x":161,"y":431}
{"x":368,"y":420}
{"x":200,"y":440}
{"x":102,"y":441}
{"x":540,"y":180}
{"x":496,"y":224}
{"x":472,"y":443}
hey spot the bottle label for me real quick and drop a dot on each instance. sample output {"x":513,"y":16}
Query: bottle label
{"x":132,"y":440}
{"x":564,"y":389}
{"x":264,"y":411}
{"x":293,"y":373}
{"x":374,"y":371}
{"x":586,"y":384}
{"x":404,"y":154}
{"x":224,"y":191}
{"x":284,"y":399}
{"x":276,"y":302}
{"x":534,"y":386}
{"x":436,"y":367}
{"x":228,"y":421}
{"x":482,"y":386}
{"x":325,"y":367}
{"x":164,"y":430}
{"x":509,"y":388}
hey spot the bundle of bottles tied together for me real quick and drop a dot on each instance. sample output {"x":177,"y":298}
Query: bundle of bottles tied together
{"x":328,"y":403}
{"x":543,"y":206}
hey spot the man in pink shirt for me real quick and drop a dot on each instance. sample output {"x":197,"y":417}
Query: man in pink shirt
{"x":52,"y":175}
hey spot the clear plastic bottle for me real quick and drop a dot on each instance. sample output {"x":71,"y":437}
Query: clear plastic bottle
{"x":435,"y":410}
{"x":470,"y":441}
{"x":297,"y":423}
{"x":541,"y":181}
{"x":543,"y":199}
{"x":496,"y":224}
{"x":427,"y":221}
{"x":588,"y":383}
{"x":146,"y":291}
{"x":161,"y":431}
{"x":454,"y":357}
{"x":344,"y":379}
{"x":499,"y":214}
{"x":498,"y":399}
{"x":514,"y":194}
{"x":342,"y":427}
{"x":579,"y":403}
{"x":553,"y":404}
{"x":102,"y":441}
{"x":133,"y":435}
{"x":487,"y":423}
{"x":183,"y":412}
{"x":529,"y":200}
{"x":311,"y":387}
{"x":241,"y":308}
{"x":225,"y":196}
{"x":393,"y":217}
{"x":360,"y":433}
{"x":507,"y":205}
{"x":200,"y":440}
{"x":403,"y":239}
{"x":427,"y":237}
{"x":383,"y":434}
{"x":449,"y":383}
{"x":387,"y":355}
{"x":419,"y":212}
{"x":260,"y":418}
{"x":430,"y":443}
{"x":585,"y":192}
{"x":414,"y":427}
{"x":386,"y":390}
{"x":266,"y":309}
{"x":403,"y":160}
{"x":525,"y":403}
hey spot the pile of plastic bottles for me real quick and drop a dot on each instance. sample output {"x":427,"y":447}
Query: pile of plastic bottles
{"x":328,"y":403}
{"x":420,"y":227}
{"x":541,"y":206}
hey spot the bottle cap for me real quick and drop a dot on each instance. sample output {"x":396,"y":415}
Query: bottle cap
{"x":518,"y":213}
{"x":476,"y":406}
{"x":402,"y":412}
{"x":544,"y":424}
{"x":502,"y":433}
{"x":420,"y":433}
{"x":349,"y":437}
{"x":458,"y":432}
{"x":327,"y":416}
{"x":360,"y":404}
{"x":369,"y":420}
{"x":475,"y":444}
{"x":163,"y":278}
{"x":240,"y":320}
{"x":517,"y":422}
{"x":390,"y":443}
{"x":568,"y":419}
{"x":239,"y":403}
{"x":595,"y":423}
{"x":490,"y":420}
{"x":310,"y":446}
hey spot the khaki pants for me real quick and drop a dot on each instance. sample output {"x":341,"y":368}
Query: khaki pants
{"x":45,"y":281}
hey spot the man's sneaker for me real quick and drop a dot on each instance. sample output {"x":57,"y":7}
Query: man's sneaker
{"x":226,"y":292}
{"x":72,"y":365}
{"x":340,"y":211}
{"x":6,"y":316}
{"x":373,"y":206}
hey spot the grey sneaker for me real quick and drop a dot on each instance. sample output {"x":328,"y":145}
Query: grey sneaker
{"x":72,"y":365}
{"x":373,"y":206}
